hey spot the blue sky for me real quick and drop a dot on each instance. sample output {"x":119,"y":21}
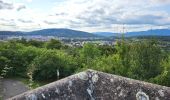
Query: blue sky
{"x":85,"y":15}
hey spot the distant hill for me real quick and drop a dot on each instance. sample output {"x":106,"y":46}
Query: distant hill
{"x":155,"y":32}
{"x":61,"y":33}
{"x":106,"y":34}
{"x":74,"y":33}
{"x":12,"y":33}
{"x":53,"y":32}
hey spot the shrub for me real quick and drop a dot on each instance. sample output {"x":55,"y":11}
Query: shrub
{"x":164,"y":77}
{"x":50,"y":63}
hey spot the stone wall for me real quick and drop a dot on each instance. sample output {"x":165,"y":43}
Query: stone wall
{"x":93,"y":85}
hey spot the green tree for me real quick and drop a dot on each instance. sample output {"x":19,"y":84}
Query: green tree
{"x":107,"y":50}
{"x":110,"y":64}
{"x":50,"y":63}
{"x":164,"y":77}
{"x":54,"y":44}
{"x":88,"y":53}
{"x":10,"y":50}
{"x":145,"y":60}
{"x":122,"y":50}
{"x":4,"y":67}
{"x":35,"y":43}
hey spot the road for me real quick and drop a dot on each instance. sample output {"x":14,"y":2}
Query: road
{"x":10,"y":88}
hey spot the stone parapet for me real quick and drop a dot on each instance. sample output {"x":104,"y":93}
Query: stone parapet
{"x":94,"y":85}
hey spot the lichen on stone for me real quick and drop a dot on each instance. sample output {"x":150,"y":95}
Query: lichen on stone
{"x":95,"y":78}
{"x":89,"y":91}
{"x":161,"y":93}
{"x":70,"y":83}
{"x":111,"y":80}
{"x":122,"y":93}
{"x":31,"y":97}
{"x":142,"y":96}
{"x":118,"y":88}
{"x":156,"y":98}
{"x":83,"y":76}
{"x":43,"y":96}
{"x":57,"y":90}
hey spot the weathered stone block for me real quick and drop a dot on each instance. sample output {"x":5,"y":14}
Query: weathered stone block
{"x":94,"y":85}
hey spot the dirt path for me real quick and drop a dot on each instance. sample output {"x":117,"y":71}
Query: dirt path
{"x":11,"y":88}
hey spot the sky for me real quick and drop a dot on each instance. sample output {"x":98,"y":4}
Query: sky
{"x":85,"y":15}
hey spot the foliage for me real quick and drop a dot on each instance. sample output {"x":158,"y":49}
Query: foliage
{"x":110,"y":64}
{"x":47,"y":65}
{"x":87,"y":55}
{"x":145,"y":60}
{"x":164,"y":77}
{"x":106,"y":50}
{"x":54,"y":44}
{"x":52,"y":60}
{"x":11,"y":51}
{"x":89,"y":51}
{"x":35,"y":43}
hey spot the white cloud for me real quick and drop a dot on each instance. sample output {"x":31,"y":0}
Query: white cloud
{"x":107,"y":13}
{"x":91,"y":15}
{"x":5,"y":5}
{"x":160,"y":1}
{"x":29,"y":0}
{"x":20,"y":7}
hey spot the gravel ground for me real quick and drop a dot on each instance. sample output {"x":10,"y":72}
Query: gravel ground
{"x":10,"y":88}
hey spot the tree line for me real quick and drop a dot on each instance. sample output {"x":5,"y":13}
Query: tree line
{"x":48,"y":61}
